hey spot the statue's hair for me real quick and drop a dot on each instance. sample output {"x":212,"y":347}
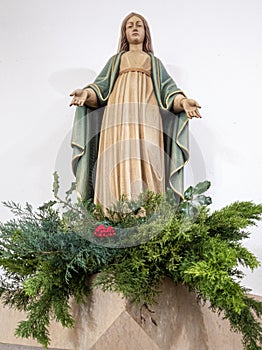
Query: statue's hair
{"x":124,"y":45}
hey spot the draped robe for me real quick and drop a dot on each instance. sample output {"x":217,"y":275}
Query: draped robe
{"x":87,"y":127}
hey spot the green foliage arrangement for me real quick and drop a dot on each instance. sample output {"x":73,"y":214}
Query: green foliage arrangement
{"x":48,"y":256}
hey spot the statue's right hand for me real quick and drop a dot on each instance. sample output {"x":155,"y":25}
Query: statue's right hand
{"x":80,"y":97}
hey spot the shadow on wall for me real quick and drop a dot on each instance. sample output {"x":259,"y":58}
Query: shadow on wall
{"x":68,"y":80}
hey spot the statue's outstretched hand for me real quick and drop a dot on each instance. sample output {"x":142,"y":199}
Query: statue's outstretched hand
{"x":80,"y":97}
{"x":191,"y":107}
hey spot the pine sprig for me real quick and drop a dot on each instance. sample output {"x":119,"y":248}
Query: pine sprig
{"x":47,"y":259}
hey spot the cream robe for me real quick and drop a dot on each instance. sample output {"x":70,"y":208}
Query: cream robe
{"x":131,"y":150}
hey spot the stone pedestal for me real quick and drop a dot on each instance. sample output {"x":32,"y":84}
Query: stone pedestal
{"x":109,"y":322}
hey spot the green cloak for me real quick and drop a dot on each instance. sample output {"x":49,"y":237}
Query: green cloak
{"x":87,"y":123}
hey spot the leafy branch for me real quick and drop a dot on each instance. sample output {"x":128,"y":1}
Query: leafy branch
{"x":47,"y":258}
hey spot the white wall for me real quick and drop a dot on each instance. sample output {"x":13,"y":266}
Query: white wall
{"x":213,"y":49}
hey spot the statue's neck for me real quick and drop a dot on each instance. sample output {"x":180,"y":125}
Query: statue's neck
{"x":136,"y":47}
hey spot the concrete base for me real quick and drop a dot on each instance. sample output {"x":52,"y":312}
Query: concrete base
{"x":109,"y":322}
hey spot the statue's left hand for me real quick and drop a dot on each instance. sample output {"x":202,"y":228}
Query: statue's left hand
{"x":191,"y":107}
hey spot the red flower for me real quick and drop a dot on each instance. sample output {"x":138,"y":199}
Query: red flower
{"x":104,"y":231}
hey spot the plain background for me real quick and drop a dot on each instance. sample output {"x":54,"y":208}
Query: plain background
{"x":213,"y":49}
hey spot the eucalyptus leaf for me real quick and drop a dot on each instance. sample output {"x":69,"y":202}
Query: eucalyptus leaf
{"x":203,"y":200}
{"x":188,"y":210}
{"x":201,"y":187}
{"x":189,"y":193}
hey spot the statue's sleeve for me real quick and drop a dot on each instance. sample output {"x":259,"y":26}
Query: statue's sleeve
{"x":104,"y":82}
{"x":167,"y":90}
{"x":86,"y":128}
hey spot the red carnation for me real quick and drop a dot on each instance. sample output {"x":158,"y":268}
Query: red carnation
{"x":104,"y":231}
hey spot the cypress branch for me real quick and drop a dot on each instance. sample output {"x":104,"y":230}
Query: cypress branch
{"x":48,"y":257}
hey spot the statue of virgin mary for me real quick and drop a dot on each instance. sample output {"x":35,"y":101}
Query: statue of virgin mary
{"x":130,"y":132}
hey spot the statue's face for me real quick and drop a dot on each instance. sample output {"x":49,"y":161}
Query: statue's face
{"x":135,"y":30}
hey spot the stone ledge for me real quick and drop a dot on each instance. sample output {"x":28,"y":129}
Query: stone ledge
{"x":109,"y":322}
